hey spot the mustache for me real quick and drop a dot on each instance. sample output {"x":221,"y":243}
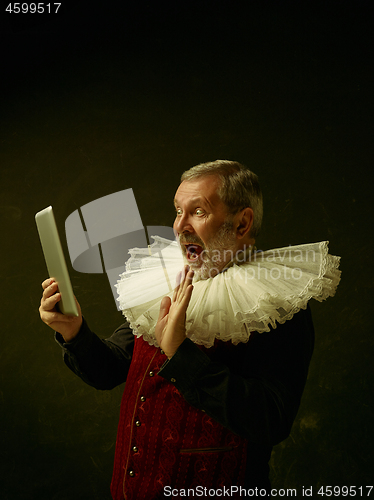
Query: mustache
{"x":193,"y":240}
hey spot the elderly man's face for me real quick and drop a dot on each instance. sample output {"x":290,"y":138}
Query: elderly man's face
{"x":205,"y":230}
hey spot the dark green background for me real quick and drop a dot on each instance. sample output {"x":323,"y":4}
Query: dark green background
{"x":95,"y":100}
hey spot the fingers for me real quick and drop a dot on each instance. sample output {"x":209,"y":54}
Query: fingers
{"x":170,"y":329}
{"x":67,"y":326}
{"x":182,"y":293}
{"x":53,"y":317}
{"x":181,"y":276}
{"x":185,"y":286}
{"x":50,"y":295}
{"x":47,"y":282}
{"x":178,"y":281}
{"x":164,"y":307}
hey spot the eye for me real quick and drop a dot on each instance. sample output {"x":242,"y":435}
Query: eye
{"x":199,"y":211}
{"x":178,"y":211}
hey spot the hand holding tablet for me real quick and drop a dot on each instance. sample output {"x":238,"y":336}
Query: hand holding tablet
{"x":58,"y":308}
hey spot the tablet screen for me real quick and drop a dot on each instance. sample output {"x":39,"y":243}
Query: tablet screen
{"x":55,"y":260}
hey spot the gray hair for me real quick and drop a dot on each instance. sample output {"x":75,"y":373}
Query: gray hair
{"x":239,"y":187}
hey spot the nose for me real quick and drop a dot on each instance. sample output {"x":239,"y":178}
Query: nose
{"x":182,"y":225}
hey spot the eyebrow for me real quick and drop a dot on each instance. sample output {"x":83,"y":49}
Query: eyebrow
{"x":194,"y":201}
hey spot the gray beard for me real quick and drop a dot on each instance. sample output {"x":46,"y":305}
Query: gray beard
{"x":221,"y":251}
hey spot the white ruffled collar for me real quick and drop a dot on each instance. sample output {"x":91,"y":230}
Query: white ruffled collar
{"x":246,"y":297}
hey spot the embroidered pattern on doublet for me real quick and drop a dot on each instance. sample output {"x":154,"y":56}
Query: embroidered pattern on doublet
{"x":163,"y":441}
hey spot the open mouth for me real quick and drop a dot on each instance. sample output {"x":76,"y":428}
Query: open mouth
{"x":193,"y":252}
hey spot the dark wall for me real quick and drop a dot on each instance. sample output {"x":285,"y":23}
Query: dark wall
{"x":95,"y":101}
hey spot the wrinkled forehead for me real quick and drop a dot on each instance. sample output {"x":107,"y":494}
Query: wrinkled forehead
{"x":203,"y":189}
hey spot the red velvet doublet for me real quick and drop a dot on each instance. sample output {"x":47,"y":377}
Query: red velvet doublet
{"x":163,"y":441}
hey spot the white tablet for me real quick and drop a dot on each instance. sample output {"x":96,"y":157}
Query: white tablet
{"x":55,"y":260}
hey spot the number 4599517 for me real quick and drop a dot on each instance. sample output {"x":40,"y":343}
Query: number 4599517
{"x":345,"y":491}
{"x":33,"y":8}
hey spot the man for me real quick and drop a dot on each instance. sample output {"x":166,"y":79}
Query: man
{"x":196,"y":415}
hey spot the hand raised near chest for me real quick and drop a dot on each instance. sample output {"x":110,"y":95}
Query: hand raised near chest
{"x":171,"y":324}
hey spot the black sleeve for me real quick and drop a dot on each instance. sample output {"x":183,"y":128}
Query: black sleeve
{"x":253,"y":389}
{"x":103,"y":364}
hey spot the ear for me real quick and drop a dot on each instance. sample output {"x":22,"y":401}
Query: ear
{"x":244,"y":222}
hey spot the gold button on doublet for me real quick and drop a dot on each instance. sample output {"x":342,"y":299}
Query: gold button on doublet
{"x":134,"y":449}
{"x":142,"y":399}
{"x":131,"y":473}
{"x":151,"y":374}
{"x":137,"y":423}
{"x":172,"y":380}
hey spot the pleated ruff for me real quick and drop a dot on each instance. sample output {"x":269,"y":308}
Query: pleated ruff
{"x":247,"y":297}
